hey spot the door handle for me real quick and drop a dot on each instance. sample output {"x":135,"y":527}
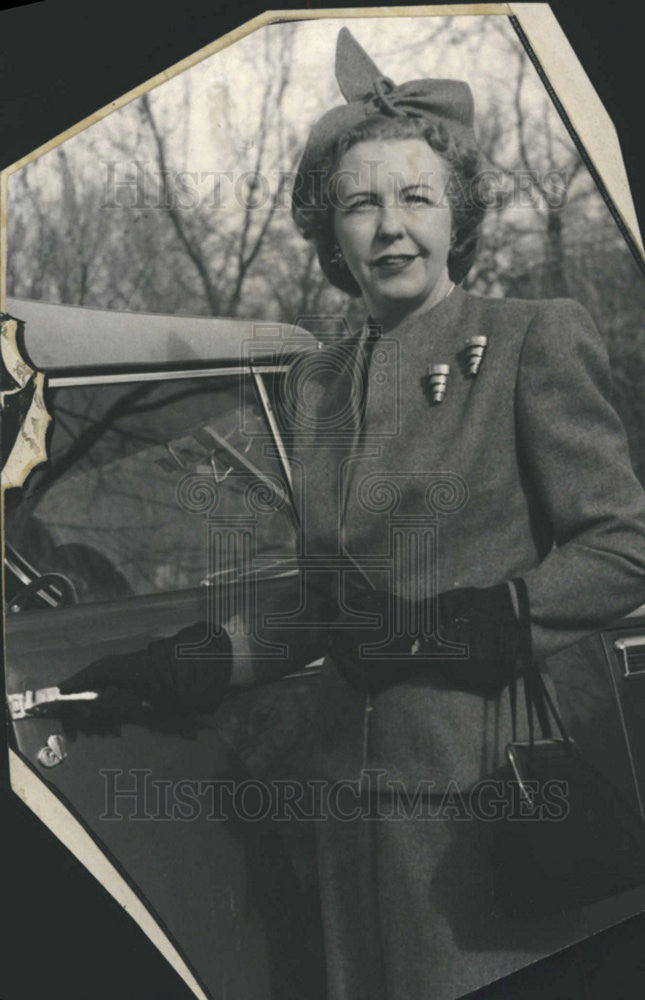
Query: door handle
{"x":29,"y":704}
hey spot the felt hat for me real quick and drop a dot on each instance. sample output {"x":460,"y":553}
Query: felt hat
{"x":369,"y":92}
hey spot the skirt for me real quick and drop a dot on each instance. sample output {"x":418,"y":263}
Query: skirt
{"x":405,"y":901}
{"x":407,"y":907}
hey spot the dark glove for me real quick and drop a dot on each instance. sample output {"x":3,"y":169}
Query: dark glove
{"x":160,"y":680}
{"x":101,"y":717}
{"x":414,"y":640}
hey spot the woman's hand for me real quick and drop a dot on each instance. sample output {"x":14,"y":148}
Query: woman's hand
{"x":484,"y":620}
{"x":178,"y":676}
{"x":481,"y":623}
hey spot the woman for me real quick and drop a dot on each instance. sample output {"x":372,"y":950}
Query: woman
{"x":519,"y":471}
{"x":433,"y":479}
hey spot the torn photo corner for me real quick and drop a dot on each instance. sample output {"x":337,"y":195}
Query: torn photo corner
{"x":243,"y":473}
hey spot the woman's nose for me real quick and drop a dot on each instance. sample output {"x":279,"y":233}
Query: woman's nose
{"x":390,"y":222}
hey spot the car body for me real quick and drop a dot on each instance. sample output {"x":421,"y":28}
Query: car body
{"x":167,"y":497}
{"x":104,"y":552}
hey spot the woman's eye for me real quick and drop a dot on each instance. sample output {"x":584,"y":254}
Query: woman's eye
{"x":360,"y":203}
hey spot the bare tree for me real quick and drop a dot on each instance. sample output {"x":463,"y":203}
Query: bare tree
{"x":546,"y":233}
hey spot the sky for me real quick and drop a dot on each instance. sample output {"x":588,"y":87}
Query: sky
{"x":213,"y":109}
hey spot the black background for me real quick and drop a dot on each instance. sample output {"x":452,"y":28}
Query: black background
{"x":60,"y":60}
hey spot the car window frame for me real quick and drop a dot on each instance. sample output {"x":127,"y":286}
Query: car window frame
{"x":28,"y":573}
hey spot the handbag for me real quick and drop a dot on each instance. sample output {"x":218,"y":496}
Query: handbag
{"x":566,"y":837}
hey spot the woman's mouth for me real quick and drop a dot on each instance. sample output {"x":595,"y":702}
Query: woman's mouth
{"x":394,"y":262}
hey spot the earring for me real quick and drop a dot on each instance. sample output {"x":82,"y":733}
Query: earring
{"x":337,"y":258}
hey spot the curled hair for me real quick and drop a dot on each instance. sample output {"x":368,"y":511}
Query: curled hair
{"x":313,"y":200}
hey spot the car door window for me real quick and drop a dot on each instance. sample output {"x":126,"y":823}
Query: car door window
{"x":154,"y":486}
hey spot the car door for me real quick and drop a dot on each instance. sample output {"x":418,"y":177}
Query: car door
{"x":165,"y":499}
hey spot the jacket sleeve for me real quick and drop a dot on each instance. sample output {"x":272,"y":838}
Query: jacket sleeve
{"x":284,"y":632}
{"x":576,"y":450}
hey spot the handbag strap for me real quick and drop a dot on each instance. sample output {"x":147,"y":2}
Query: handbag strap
{"x":512,"y":694}
{"x":537,"y":696}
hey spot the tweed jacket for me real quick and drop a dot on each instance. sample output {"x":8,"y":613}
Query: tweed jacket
{"x":521,"y":470}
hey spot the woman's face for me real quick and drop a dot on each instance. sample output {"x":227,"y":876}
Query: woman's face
{"x":393,"y":223}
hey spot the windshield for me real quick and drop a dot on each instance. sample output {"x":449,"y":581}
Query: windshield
{"x":142,"y":485}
